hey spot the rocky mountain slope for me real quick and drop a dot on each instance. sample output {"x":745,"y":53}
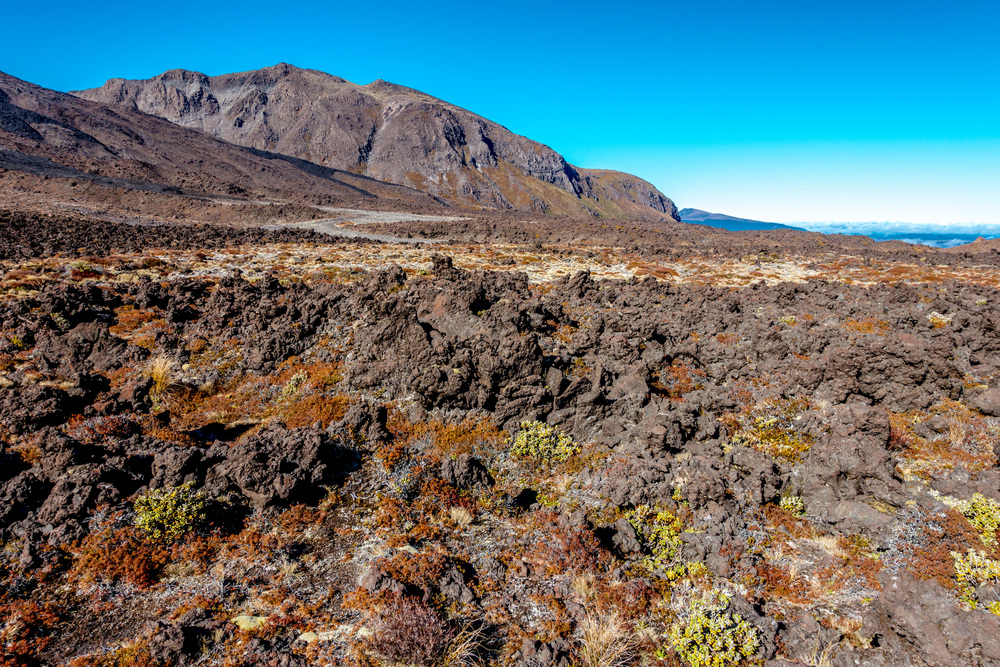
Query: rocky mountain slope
{"x":388,"y":132}
{"x":52,"y":134}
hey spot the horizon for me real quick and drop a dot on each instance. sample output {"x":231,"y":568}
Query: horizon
{"x":948,"y":226}
{"x":778,"y":112}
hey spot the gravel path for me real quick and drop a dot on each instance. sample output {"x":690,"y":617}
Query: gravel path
{"x":346,"y":221}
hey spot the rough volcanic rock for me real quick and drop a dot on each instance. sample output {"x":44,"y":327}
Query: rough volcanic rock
{"x":29,"y":408}
{"x":987,"y":402}
{"x":23,"y":236}
{"x":276,"y":466}
{"x":466,"y":472}
{"x":849,"y":462}
{"x":921,"y":620}
{"x":86,"y":347}
{"x":534,"y":653}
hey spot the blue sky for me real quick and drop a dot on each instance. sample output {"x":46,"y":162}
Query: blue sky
{"x":782,"y":111}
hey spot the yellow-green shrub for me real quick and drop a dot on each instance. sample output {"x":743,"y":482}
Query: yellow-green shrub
{"x":543,"y":443}
{"x":983,"y":513}
{"x":709,"y":635}
{"x":793,"y":505}
{"x":972,"y":570}
{"x":169,"y":514}
{"x":768,"y":427}
{"x":659,"y":531}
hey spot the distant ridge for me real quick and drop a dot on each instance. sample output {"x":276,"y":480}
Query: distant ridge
{"x":53,"y":134}
{"x":723,"y":221}
{"x":388,"y":132}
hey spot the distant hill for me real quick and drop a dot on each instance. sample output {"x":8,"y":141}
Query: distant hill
{"x":388,"y":132}
{"x":53,"y":134}
{"x":722,"y":221}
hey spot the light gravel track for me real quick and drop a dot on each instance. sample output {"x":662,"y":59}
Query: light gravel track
{"x":346,"y":222}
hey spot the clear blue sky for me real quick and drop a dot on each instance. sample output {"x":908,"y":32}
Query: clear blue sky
{"x":783,"y":111}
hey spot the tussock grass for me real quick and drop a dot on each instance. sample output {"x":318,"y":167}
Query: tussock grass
{"x":163,"y":371}
{"x":606,"y":641}
{"x":461,"y":516}
{"x":466,"y":649}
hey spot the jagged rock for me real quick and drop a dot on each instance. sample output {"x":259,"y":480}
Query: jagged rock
{"x":34,"y":407}
{"x":87,"y":347}
{"x":465,"y":472}
{"x":276,"y":466}
{"x":988,"y":402}
{"x":920,"y":618}
{"x":534,"y":653}
{"x":624,"y":538}
{"x":849,"y":460}
{"x":453,"y":587}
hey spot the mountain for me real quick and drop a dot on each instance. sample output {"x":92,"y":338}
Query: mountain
{"x":388,"y":132}
{"x":54,"y":134}
{"x":699,"y":217}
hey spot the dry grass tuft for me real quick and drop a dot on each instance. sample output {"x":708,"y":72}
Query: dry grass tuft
{"x":12,"y":628}
{"x":584,"y":585}
{"x":461,"y":516}
{"x":606,"y":641}
{"x":957,"y":431}
{"x":465,"y":649}
{"x":163,"y":371}
{"x":821,"y":654}
{"x":831,"y":544}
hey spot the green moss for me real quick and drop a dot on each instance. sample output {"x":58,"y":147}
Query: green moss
{"x":543,"y":443}
{"x":166,"y":515}
{"x":709,"y":635}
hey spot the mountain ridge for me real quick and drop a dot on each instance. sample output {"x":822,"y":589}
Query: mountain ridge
{"x":732,"y":223}
{"x":56,"y":134}
{"x":389,"y":132}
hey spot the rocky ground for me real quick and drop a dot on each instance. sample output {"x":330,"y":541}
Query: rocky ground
{"x":537,"y":442}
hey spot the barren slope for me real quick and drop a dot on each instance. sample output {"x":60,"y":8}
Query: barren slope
{"x":53,"y":134}
{"x":389,"y":132}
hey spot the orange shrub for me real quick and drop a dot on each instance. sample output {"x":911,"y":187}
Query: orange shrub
{"x":26,"y":630}
{"x":677,"y":379}
{"x":116,"y":555}
{"x":315,"y":408}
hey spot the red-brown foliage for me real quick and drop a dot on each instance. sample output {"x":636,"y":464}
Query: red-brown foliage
{"x":408,"y":631}
{"x":116,"y":555}
{"x":565,"y":548}
{"x":26,"y":630}
{"x":422,"y":570}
